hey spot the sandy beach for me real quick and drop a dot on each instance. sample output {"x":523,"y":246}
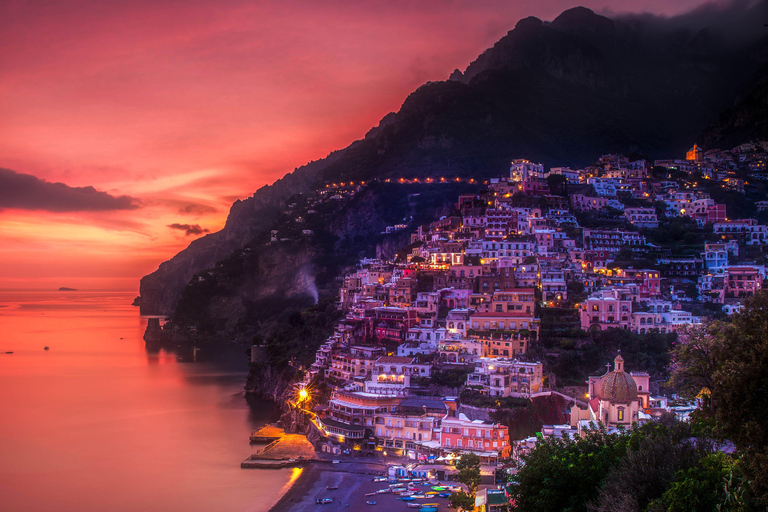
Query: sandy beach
{"x":354,"y":480}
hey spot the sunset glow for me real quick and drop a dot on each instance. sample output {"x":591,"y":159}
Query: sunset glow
{"x":185,"y":107}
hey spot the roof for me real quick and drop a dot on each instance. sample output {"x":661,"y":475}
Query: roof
{"x":344,"y":426}
{"x":618,"y":386}
{"x":420,"y":402}
{"x":395,"y":359}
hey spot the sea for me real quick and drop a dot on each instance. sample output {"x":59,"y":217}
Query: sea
{"x":96,"y":422}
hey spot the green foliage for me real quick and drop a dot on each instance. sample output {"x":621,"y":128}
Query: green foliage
{"x":452,"y":377}
{"x":731,"y":360}
{"x":645,"y":472}
{"x":566,"y":475}
{"x":701,"y":488}
{"x":563,"y":475}
{"x":462,"y":501}
{"x":469,"y":471}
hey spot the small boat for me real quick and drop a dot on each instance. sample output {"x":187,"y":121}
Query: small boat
{"x":413,"y":505}
{"x":445,"y":494}
{"x":407,"y":498}
{"x":438,"y":488}
{"x":371,"y":493}
{"x":370,"y":502}
{"x":381,"y":479}
{"x":331,"y":487}
{"x":382,"y":491}
{"x":323,"y":501}
{"x":429,"y":507}
{"x":431,"y":493}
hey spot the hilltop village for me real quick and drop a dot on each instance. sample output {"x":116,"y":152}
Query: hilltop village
{"x":467,"y":318}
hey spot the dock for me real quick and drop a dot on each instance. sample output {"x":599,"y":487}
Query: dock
{"x":267,"y":434}
{"x":288,"y":450}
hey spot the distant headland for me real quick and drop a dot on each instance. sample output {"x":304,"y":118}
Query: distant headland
{"x":65,"y":289}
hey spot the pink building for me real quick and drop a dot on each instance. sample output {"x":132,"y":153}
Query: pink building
{"x":716,"y":213}
{"x":606,"y":308}
{"x":488,"y":440}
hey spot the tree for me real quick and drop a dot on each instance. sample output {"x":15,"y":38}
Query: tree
{"x":645,"y":472}
{"x":469,"y":471}
{"x":695,"y":357}
{"x":740,"y":393}
{"x":462,"y":500}
{"x":701,"y":488}
{"x":563,"y":475}
{"x":731,"y":360}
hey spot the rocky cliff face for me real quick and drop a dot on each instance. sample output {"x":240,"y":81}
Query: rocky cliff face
{"x":161,"y":290}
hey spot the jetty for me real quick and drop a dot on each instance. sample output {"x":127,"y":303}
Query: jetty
{"x":287,"y":451}
{"x":267,"y":434}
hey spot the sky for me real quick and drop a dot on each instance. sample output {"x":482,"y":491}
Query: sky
{"x":128,"y":128}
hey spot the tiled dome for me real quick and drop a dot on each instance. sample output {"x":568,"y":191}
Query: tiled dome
{"x":618,"y":386}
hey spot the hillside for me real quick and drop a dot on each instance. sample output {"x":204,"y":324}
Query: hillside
{"x":562,"y":93}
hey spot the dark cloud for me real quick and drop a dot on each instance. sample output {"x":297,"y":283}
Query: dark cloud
{"x":197,"y":209}
{"x":27,"y":192}
{"x":191,"y":229}
{"x":737,"y":22}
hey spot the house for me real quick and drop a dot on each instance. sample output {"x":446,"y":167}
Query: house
{"x":507,"y":377}
{"x":609,"y":307}
{"x":488,"y":440}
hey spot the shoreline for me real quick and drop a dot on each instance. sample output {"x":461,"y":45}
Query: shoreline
{"x":296,"y":488}
{"x":353,"y":479}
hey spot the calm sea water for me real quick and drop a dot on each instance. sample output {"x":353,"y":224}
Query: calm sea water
{"x":96,"y":423}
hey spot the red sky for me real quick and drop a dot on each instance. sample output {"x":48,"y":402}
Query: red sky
{"x":187,"y":105}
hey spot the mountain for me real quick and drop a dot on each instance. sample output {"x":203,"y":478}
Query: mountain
{"x":561,"y":92}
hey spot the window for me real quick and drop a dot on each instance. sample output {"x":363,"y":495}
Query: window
{"x":621,"y":414}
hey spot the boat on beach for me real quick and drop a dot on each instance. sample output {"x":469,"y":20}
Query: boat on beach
{"x":413,"y":505}
{"x":429,"y":507}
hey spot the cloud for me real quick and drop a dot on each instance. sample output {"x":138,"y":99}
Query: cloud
{"x":191,"y":229}
{"x":197,"y":209}
{"x":27,"y":192}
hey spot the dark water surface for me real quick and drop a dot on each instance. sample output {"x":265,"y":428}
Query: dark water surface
{"x":96,"y":423}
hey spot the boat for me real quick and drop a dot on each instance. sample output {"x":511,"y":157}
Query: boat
{"x":323,"y":501}
{"x":438,"y":488}
{"x":382,"y":491}
{"x":370,"y":502}
{"x":431,"y":493}
{"x":331,"y":487}
{"x":371,"y":493}
{"x":445,"y":494}
{"x":381,"y":479}
{"x":413,"y":505}
{"x":407,"y":498}
{"x":429,"y":507}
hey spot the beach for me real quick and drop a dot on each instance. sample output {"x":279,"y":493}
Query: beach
{"x":354,"y":480}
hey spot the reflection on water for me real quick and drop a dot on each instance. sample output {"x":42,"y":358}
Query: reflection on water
{"x":98,"y":423}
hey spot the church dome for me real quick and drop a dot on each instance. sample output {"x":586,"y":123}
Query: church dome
{"x":618,"y":386}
